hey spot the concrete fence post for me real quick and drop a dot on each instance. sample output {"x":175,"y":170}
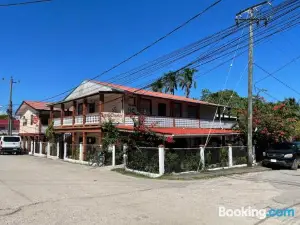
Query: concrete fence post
{"x":26,"y":146}
{"x":113,"y":155}
{"x":202,"y":157}
{"x":125,"y":147}
{"x":31,"y":148}
{"x":48,"y":149}
{"x":65,"y":150}
{"x":41,"y":147}
{"x":80,"y":152}
{"x":161,"y":159}
{"x":57,"y":149}
{"x":230,"y":164}
{"x":253,"y":154}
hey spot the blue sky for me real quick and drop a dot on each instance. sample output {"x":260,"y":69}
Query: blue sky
{"x":51,"y":47}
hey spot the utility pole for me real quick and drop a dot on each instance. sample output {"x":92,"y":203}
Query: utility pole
{"x":10,"y":107}
{"x":251,"y":18}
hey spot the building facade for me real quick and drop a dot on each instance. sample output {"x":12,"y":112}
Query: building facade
{"x":84,"y":110}
{"x":34,"y":120}
{"x":4,"y":127}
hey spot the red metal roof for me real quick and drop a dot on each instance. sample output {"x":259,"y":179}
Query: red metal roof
{"x":176,"y":131}
{"x":151,"y":93}
{"x":4,"y":122}
{"x":38,"y":105}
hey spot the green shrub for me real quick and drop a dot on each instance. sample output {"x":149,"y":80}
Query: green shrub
{"x":241,"y":160}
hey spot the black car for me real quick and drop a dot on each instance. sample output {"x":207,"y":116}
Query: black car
{"x":283,"y":154}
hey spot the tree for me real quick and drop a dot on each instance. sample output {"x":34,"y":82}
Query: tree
{"x":158,"y":85}
{"x":186,"y":80}
{"x":50,"y":134}
{"x":111,"y":134}
{"x":170,"y":82}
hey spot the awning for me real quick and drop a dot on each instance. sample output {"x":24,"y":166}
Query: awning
{"x":185,"y":132}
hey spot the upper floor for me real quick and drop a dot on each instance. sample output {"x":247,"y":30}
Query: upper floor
{"x":34,"y":117}
{"x":93,"y":102}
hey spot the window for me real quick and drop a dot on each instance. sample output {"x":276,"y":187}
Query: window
{"x":192,"y":111}
{"x":11,"y":139}
{"x":24,"y":122}
{"x":80,"y":109}
{"x":162,"y":109}
{"x":31,"y":120}
{"x":131,"y":101}
{"x":146,"y":108}
{"x":177,"y":110}
{"x":92,"y":107}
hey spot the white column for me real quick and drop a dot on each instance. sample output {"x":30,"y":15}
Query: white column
{"x":161,"y":157}
{"x":48,"y":149}
{"x":31,"y":148}
{"x":202,"y":157}
{"x":113,"y":155}
{"x":26,"y":146}
{"x":230,"y":164}
{"x":253,"y":155}
{"x":65,"y":150}
{"x":125,"y":147}
{"x":80,"y":152}
{"x":57,"y":150}
{"x":41,"y":147}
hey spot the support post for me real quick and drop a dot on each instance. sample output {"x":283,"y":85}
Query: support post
{"x":101,"y":107}
{"x":41,"y":147}
{"x":32,"y":147}
{"x":202,"y":157}
{"x":65,"y":150}
{"x":74,"y":113}
{"x":125,"y":147}
{"x":57,"y":150}
{"x":161,"y":157}
{"x":230,"y":163}
{"x":84,"y":109}
{"x":113,"y":155}
{"x":254,"y":155}
{"x":80,"y":152}
{"x":62,"y":114}
{"x":84,"y":145}
{"x":48,"y":149}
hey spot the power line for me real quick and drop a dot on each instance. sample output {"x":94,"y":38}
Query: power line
{"x":280,"y":81}
{"x":24,"y":3}
{"x":145,"y":48}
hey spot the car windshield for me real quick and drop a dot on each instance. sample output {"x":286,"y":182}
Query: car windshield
{"x":11,"y":139}
{"x":284,"y":146}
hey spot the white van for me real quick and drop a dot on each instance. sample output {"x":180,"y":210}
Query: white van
{"x":10,"y":144}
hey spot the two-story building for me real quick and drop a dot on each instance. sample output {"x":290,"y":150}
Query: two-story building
{"x":34,"y":119}
{"x":187,"y":120}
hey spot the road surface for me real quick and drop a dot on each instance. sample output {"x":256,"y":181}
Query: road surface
{"x":43,"y":191}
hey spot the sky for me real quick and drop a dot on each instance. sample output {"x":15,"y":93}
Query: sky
{"x":52,"y":47}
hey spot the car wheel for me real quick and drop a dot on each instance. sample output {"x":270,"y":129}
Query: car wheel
{"x":295,"y":164}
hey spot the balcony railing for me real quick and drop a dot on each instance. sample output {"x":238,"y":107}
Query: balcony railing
{"x":157,"y":121}
{"x":90,"y":119}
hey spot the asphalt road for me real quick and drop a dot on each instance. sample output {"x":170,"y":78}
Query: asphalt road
{"x":43,"y":191}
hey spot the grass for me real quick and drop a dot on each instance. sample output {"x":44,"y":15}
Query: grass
{"x":198,"y":176}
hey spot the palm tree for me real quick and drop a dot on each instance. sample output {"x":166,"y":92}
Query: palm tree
{"x":170,"y":82}
{"x":186,"y":80}
{"x":158,"y":85}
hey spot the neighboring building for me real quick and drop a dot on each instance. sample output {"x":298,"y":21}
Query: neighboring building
{"x":4,"y":127}
{"x":92,"y":102}
{"x":34,"y":119}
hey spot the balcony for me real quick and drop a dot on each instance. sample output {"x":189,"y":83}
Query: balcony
{"x":90,"y":119}
{"x":157,"y":121}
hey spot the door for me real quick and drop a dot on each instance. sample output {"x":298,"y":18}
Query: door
{"x":162,"y":109}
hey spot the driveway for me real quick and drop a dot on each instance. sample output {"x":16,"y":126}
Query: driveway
{"x":43,"y":191}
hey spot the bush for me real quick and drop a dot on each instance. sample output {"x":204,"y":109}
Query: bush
{"x":145,"y":160}
{"x":241,"y":160}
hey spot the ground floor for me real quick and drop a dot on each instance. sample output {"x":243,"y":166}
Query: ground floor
{"x":41,"y":191}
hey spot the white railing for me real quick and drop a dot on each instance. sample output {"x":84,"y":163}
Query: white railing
{"x":217,"y":124}
{"x":157,"y":121}
{"x":56,"y":122}
{"x":190,"y":123}
{"x":115,"y":117}
{"x":68,"y":120}
{"x":92,"y":118}
{"x":78,"y":120}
